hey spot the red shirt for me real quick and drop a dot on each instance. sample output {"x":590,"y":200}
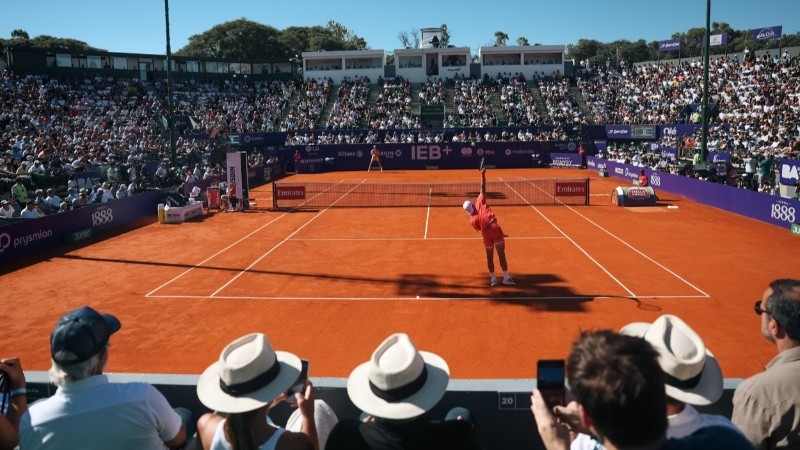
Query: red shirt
{"x":643,"y":180}
{"x":483,"y":217}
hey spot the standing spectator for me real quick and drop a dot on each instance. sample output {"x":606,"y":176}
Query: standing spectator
{"x":396,"y":387}
{"x":19,"y":191}
{"x":764,"y":170}
{"x":248,"y":378}
{"x":766,"y":406}
{"x":618,"y":387}
{"x":11,"y":370}
{"x":89,"y":412}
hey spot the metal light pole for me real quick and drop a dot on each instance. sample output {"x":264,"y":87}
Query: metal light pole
{"x":170,"y":117}
{"x":706,"y":41}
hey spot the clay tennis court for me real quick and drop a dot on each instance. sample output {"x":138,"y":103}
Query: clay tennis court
{"x":329,"y":284}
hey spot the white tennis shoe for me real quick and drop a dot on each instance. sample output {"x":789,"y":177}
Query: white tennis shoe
{"x":509,"y":281}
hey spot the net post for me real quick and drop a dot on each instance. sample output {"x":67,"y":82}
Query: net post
{"x":274,"y":195}
{"x":586,"y":200}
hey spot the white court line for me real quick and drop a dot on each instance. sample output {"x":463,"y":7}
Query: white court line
{"x":221,"y":251}
{"x":367,"y":299}
{"x":283,"y":241}
{"x":635,"y":250}
{"x":573,"y":242}
{"x":519,"y":238}
{"x":639,"y":252}
{"x":428,"y":217}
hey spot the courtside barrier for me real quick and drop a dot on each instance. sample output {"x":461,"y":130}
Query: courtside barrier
{"x":28,"y":236}
{"x":779,"y":211}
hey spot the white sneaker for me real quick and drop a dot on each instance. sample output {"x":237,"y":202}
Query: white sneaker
{"x":509,"y":281}
{"x":493,"y":282}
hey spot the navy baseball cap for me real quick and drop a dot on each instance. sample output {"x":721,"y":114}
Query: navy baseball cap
{"x":81,"y":334}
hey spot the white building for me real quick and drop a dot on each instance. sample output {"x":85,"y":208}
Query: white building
{"x":419,"y":64}
{"x":338,"y":65}
{"x":530,"y":60}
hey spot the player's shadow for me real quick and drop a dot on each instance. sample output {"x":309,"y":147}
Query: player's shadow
{"x":536,"y":291}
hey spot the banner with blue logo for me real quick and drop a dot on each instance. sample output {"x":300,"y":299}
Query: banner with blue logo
{"x":671,"y":45}
{"x":790,"y":171}
{"x":768,"y":33}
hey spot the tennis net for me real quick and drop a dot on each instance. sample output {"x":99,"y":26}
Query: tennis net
{"x":538,"y":191}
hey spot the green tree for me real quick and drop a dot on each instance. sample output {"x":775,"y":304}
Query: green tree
{"x":444,"y":41}
{"x":500,"y":38}
{"x":522,"y":41}
{"x":409,"y":39}
{"x":237,"y":40}
{"x":20,"y":34}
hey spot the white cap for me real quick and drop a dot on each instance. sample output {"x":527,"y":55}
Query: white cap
{"x":468,"y":207}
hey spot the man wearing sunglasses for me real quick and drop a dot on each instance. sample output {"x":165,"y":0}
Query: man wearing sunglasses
{"x":766,"y":406}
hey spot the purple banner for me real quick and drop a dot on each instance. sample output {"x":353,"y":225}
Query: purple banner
{"x":719,"y":157}
{"x":790,"y":171}
{"x":718,"y":39}
{"x":565,"y":160}
{"x":756,"y":205}
{"x":88,"y":179}
{"x":669,"y":152}
{"x":671,"y":45}
{"x":618,"y":131}
{"x":28,"y":236}
{"x":678,"y":130}
{"x":768,"y":33}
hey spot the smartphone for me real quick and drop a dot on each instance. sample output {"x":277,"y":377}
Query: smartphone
{"x":550,"y":381}
{"x":300,"y":384}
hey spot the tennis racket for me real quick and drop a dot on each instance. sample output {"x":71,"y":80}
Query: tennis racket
{"x":481,"y":166}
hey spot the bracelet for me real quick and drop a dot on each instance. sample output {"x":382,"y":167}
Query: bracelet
{"x":18,"y":391}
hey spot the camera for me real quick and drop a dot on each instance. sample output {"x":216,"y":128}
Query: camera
{"x":550,"y":381}
{"x":299,"y":385}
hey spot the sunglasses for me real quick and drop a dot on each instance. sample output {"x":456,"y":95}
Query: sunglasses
{"x":759,"y":310}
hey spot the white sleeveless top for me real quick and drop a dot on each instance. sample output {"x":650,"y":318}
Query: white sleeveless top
{"x":219,"y":442}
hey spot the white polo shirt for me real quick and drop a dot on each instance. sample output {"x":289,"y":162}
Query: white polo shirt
{"x":95,"y":414}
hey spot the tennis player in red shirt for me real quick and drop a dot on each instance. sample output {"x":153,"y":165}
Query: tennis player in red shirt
{"x":482,"y":218}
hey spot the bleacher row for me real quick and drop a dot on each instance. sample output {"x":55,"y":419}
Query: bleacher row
{"x":70,"y":124}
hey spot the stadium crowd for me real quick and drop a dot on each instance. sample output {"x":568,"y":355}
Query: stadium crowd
{"x":636,"y":388}
{"x":52,"y":127}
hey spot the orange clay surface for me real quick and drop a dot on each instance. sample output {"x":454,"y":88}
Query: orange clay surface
{"x":330,"y":284}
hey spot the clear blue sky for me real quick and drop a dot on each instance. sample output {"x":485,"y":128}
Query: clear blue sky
{"x":137,"y":26}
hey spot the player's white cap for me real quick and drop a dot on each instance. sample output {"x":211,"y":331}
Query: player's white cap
{"x":468,"y":207}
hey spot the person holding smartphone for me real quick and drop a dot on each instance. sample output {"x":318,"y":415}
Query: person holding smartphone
{"x":249,"y":378}
{"x":14,"y":401}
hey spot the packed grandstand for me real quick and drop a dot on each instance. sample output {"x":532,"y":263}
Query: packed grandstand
{"x":53,"y":127}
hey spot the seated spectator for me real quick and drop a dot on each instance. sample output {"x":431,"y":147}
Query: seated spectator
{"x":6,"y":210}
{"x":618,"y":387}
{"x":248,"y":378}
{"x":11,"y":370}
{"x":642,"y":179}
{"x":89,"y":412}
{"x":693,"y":377}
{"x":765,"y":406}
{"x":31,"y":211}
{"x":396,"y":387}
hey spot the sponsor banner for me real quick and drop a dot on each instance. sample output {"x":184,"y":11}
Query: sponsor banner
{"x":719,"y":157}
{"x":237,"y":176}
{"x":669,"y":152}
{"x":290,"y":192}
{"x":618,"y":131}
{"x":634,"y":196}
{"x":565,"y":160}
{"x":671,"y":45}
{"x":679,"y":130}
{"x":88,"y":179}
{"x":310,"y":165}
{"x":768,"y":33}
{"x":790,"y":171}
{"x":27,"y":236}
{"x":756,"y":205}
{"x":718,"y":39}
{"x":602,"y":146}
{"x":571,"y":189}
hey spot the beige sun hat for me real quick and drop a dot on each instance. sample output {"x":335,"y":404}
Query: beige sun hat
{"x":248,"y":375}
{"x":399,"y":381}
{"x":692,"y":373}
